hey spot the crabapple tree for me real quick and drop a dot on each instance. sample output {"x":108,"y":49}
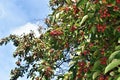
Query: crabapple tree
{"x":84,"y":34}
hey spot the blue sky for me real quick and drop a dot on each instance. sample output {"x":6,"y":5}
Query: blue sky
{"x":18,"y":16}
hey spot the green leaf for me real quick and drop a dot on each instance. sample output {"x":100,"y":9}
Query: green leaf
{"x":118,"y":78}
{"x":93,"y":29}
{"x":74,"y":73}
{"x":95,"y":74}
{"x":112,"y":56}
{"x":53,"y":19}
{"x":94,"y":48}
{"x":81,"y":2}
{"x":117,"y":56}
{"x":72,"y":67}
{"x":117,"y":48}
{"x":119,"y":69}
{"x":87,"y":7}
{"x":68,"y":1}
{"x":83,"y":19}
{"x":96,"y":65}
{"x":119,"y":40}
{"x":112,"y":65}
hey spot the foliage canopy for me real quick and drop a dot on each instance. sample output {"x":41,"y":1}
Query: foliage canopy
{"x":85,"y":34}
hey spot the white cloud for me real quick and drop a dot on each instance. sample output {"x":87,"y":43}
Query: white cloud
{"x":26,"y":29}
{"x":2,"y":12}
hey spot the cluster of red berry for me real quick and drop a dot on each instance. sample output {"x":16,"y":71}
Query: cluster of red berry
{"x":102,"y":51}
{"x":101,"y":28}
{"x":103,"y":77}
{"x":118,"y":1}
{"x":103,"y":60}
{"x":104,"y":13}
{"x":116,"y":8}
{"x":73,"y":28}
{"x":85,"y":52}
{"x":81,"y":63}
{"x":56,"y":32}
{"x":48,"y":71}
{"x":82,"y":69}
{"x":75,"y":9}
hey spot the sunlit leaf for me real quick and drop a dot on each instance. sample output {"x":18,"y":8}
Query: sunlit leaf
{"x":112,"y":56}
{"x":112,"y":65}
{"x":95,"y":75}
